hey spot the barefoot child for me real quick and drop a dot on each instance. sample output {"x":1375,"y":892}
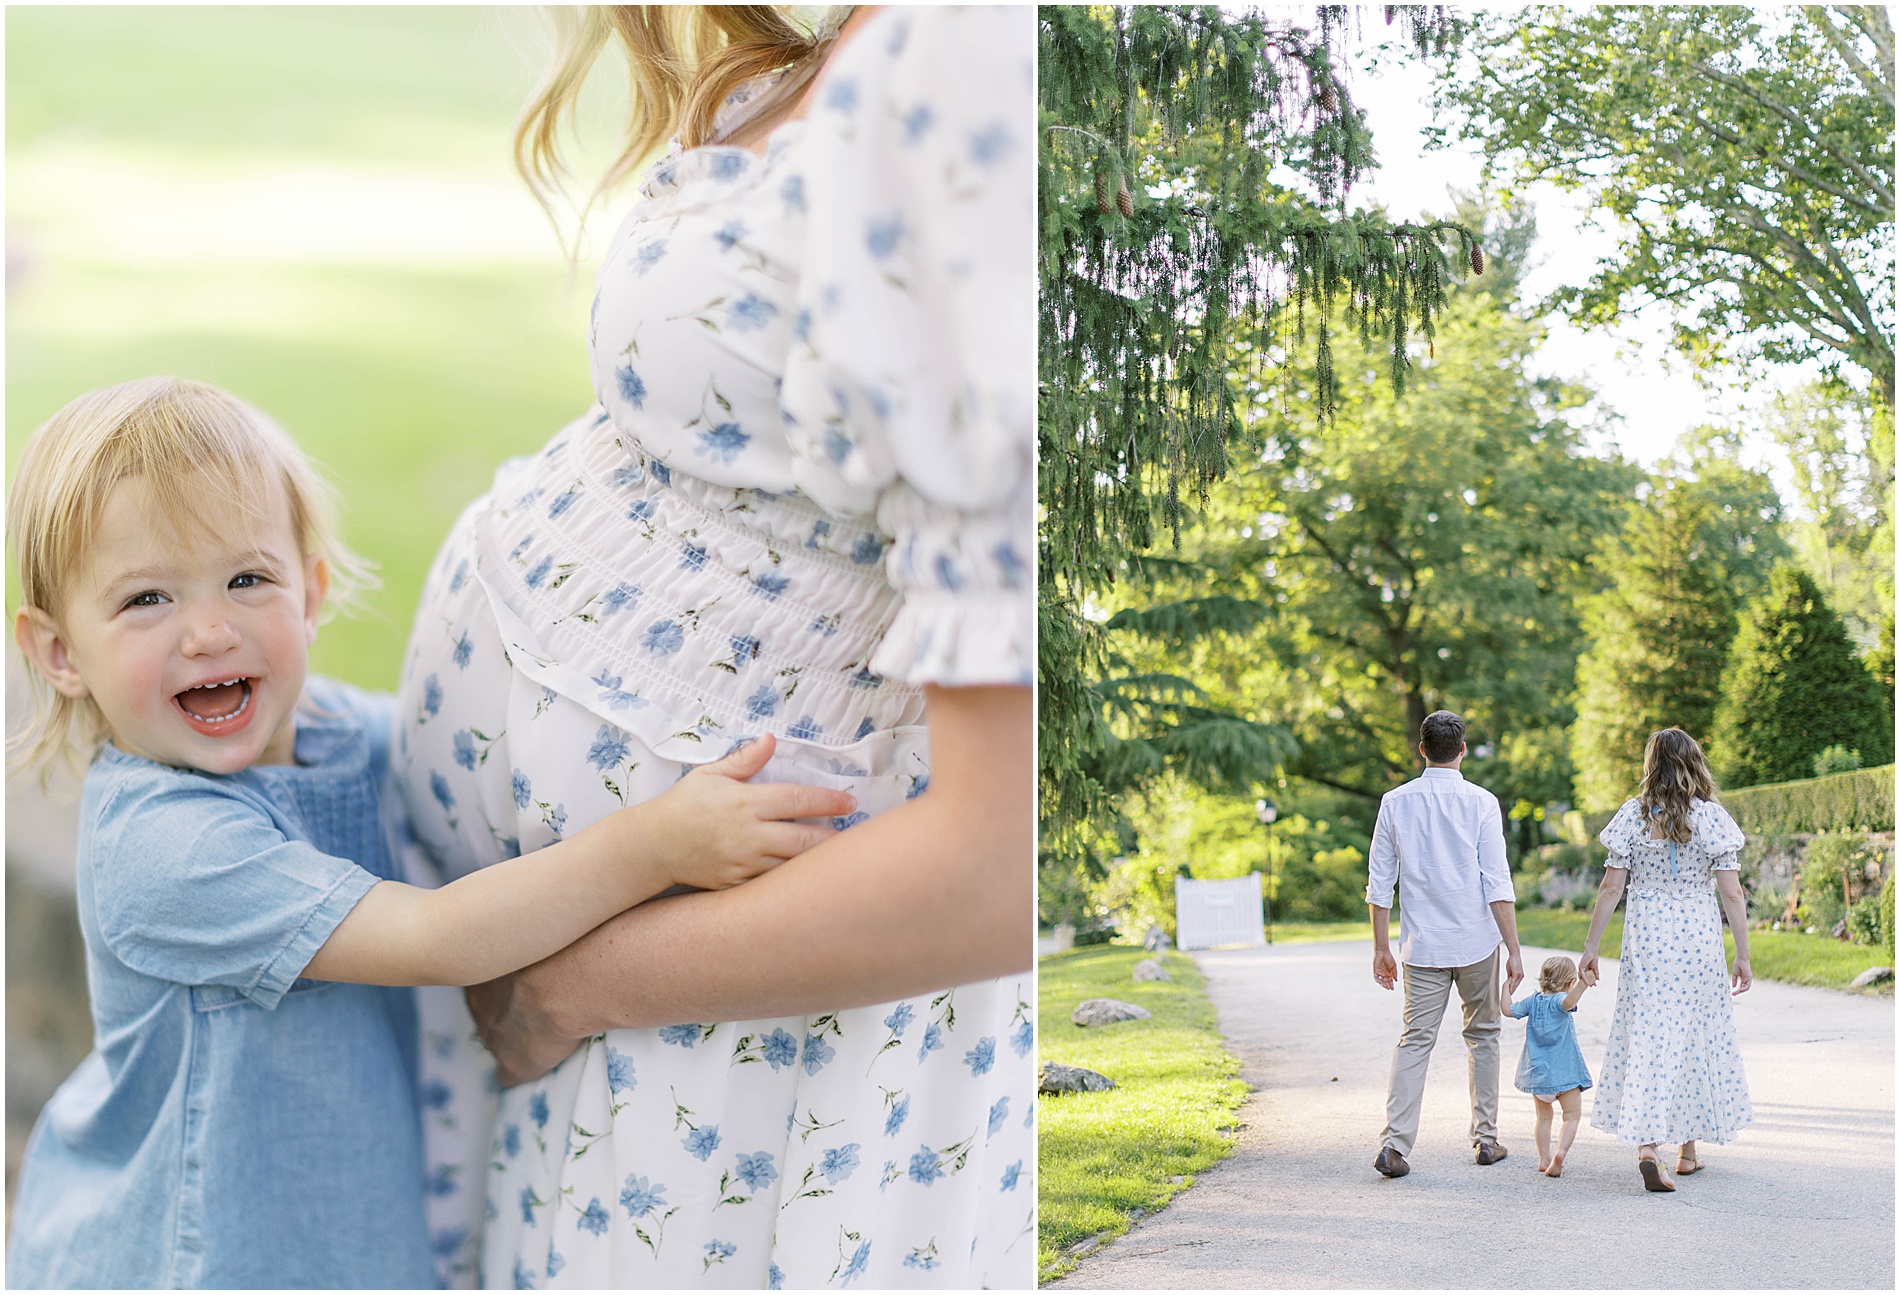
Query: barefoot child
{"x":1552,"y":1069}
{"x":248,"y":1116}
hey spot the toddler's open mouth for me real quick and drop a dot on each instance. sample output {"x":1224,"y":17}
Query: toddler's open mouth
{"x":216,"y":708}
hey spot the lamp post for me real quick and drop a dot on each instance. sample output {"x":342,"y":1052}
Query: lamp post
{"x":1267,"y":811}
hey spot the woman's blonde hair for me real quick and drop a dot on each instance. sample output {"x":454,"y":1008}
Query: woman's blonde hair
{"x":682,"y":62}
{"x":1674,"y":772}
{"x":200,"y":452}
{"x":1558,"y":975}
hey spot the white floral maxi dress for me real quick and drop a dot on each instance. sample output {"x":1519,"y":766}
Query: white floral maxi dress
{"x":1673,"y":1070}
{"x":805,"y":492}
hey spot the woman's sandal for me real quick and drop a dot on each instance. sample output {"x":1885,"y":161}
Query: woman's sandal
{"x":1686,"y":1165}
{"x":1653,"y":1180}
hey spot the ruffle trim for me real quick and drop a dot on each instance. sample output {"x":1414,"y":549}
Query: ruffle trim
{"x":960,"y":640}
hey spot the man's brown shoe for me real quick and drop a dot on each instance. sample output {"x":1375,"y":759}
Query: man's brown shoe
{"x":1391,"y":1163}
{"x":1489,"y":1153}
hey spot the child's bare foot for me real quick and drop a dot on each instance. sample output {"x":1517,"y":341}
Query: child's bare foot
{"x":1543,"y":1165}
{"x":1556,"y":1167}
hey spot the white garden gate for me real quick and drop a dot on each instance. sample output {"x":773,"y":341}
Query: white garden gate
{"x":1208,"y":914}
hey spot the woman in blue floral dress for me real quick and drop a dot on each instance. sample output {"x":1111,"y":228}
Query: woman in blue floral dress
{"x":802,"y":505}
{"x":1673,"y":1069}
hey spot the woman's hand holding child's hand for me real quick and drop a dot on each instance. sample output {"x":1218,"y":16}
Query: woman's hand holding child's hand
{"x":713,"y":829}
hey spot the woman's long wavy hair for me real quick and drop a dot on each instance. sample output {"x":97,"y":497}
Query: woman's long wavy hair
{"x":1674,"y":772}
{"x":682,"y":62}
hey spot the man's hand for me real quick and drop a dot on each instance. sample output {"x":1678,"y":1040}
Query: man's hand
{"x":1385,"y":969}
{"x":1513,"y":971}
{"x":525,"y":1043}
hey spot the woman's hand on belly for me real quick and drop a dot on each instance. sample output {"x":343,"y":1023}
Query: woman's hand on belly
{"x":934,"y":893}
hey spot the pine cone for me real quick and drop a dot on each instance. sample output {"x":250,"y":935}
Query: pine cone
{"x":1124,"y":201}
{"x":1477,"y":259}
{"x":1101,"y":193}
{"x":1327,"y":99}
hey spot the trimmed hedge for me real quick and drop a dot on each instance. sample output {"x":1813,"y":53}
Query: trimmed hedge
{"x":1858,"y":801}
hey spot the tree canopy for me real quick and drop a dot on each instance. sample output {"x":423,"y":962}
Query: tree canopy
{"x":1745,"y":153}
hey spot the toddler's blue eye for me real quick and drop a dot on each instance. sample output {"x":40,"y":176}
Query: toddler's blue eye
{"x":150,"y":598}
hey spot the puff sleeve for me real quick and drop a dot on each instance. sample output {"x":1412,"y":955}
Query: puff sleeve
{"x":1719,"y":835}
{"x":1620,"y":833}
{"x":910,"y":388}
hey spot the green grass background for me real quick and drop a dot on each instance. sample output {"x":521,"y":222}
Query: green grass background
{"x":409,"y":381}
{"x":1178,"y":1089}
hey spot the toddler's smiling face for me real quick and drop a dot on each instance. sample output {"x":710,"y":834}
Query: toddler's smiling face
{"x":193,"y":639}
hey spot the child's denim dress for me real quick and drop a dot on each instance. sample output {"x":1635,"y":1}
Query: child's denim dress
{"x":236,"y":1125}
{"x":1552,"y":1061}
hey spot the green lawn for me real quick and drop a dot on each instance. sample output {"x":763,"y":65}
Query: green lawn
{"x":1103,"y":1155}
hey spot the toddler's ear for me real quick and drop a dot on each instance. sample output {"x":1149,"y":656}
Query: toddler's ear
{"x":43,"y":644}
{"x":316,"y":587}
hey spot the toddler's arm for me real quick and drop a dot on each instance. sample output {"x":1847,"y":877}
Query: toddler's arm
{"x":1575,"y":995}
{"x":711,"y":830}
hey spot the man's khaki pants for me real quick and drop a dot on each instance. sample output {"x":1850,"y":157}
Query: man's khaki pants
{"x":1426,"y":991}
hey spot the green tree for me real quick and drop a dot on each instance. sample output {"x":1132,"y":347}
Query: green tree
{"x":1164,"y":246}
{"x":1690,"y":555}
{"x":1746,"y":154}
{"x":1793,"y":688}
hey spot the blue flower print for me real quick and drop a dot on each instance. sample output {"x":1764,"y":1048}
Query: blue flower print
{"x":632,"y":389}
{"x":619,"y":1071}
{"x":1015,"y":574}
{"x":744,"y":649}
{"x":464,"y":651}
{"x":701,"y":1143}
{"x":439,"y":788}
{"x":774,"y":1278}
{"x":524,"y":1280}
{"x":838,"y":446}
{"x":1022,"y":1038}
{"x":981,"y":1058}
{"x":465,"y":749}
{"x":617,"y":697}
{"x":436,"y":1095}
{"x":511,"y":1141}
{"x":749,"y":314}
{"x":524,"y":790}
{"x":900,"y":1111}
{"x":538,"y":572}
{"x":866,"y":678}
{"x":564,"y":502}
{"x":622,"y":595}
{"x":867,"y":550}
{"x":838,"y":1162}
{"x":727,"y":165}
{"x":723,"y":442}
{"x":925,"y":1167}
{"x":663,"y":638}
{"x":756,"y":1170}
{"x":609,"y":748}
{"x":729,"y":234}
{"x":924,"y":1259}
{"x":933,"y":1041}
{"x":627,"y":474}
{"x":528,"y":1202}
{"x":648,"y":256}
{"x":947,"y":574}
{"x":805,"y":728}
{"x":557,"y":819}
{"x":441,"y":1182}
{"x":693,"y":557}
{"x":460,"y":578}
{"x":865,"y":729}
{"x":793,"y":192}
{"x":918,"y":786}
{"x":761,"y":704}
{"x":779,"y":1049}
{"x":992,"y":145}
{"x":817,"y":1053}
{"x":431,"y":696}
{"x":881,"y":237}
{"x":843,"y":95}
{"x":683,"y":1035}
{"x":999,"y":1111}
{"x":899,"y":1020}
{"x":855,"y":1269}
{"x":594,"y":1219}
{"x":661,"y":473}
{"x":538,"y":1109}
{"x":1010,"y":1175}
{"x":555,"y":1263}
{"x":639,"y":1199}
{"x":769,"y":585}
{"x":851,"y":820}
{"x":719,"y":1251}
{"x":801,"y":326}
{"x":514,"y":554}
{"x":916,"y":122}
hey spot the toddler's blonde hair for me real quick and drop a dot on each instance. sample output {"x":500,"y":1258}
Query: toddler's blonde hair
{"x":1558,"y":975}
{"x":199,"y":450}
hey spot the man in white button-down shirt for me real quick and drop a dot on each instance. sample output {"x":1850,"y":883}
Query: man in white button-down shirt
{"x":1440,"y":839}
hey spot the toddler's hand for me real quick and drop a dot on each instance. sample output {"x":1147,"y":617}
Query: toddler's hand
{"x":714,"y":829}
